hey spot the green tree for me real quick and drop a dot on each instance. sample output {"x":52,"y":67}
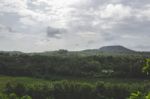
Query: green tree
{"x":13,"y":96}
{"x":3,"y":96}
{"x":26,"y":97}
{"x":146,"y":68}
{"x":137,"y":95}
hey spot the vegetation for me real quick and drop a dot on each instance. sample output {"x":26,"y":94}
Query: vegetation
{"x":139,"y":95}
{"x":67,"y":90}
{"x":76,"y":66}
{"x":72,"y":88}
{"x":73,"y":76}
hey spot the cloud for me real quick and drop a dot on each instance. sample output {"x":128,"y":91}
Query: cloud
{"x":117,"y":11}
{"x":4,"y":28}
{"x":13,"y":6}
{"x":54,"y":32}
{"x":74,"y":24}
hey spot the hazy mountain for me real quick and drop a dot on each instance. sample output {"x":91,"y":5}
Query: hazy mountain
{"x":116,"y":49}
{"x":11,"y":52}
{"x":106,"y":50}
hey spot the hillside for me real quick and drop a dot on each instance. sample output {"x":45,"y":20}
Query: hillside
{"x":116,"y":49}
{"x":83,"y":74}
{"x":105,"y":50}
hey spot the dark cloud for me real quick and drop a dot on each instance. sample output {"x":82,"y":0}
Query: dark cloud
{"x":54,"y":32}
{"x":4,"y":28}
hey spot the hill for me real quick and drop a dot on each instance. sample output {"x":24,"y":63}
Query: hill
{"x":105,"y":51}
{"x":116,"y":49}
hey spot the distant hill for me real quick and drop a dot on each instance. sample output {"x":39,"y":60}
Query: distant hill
{"x":110,"y":51}
{"x":116,"y":49}
{"x":11,"y":52}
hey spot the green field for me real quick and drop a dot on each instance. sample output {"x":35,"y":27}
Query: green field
{"x":135,"y":83}
{"x":25,"y":80}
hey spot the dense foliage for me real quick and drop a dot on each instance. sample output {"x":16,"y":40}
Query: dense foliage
{"x":139,"y":95}
{"x":68,"y":90}
{"x":13,"y":96}
{"x":89,"y":66}
{"x":74,"y":90}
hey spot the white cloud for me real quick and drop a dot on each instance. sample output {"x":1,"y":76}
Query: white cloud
{"x":88,"y":35}
{"x":144,"y":13}
{"x":12,"y":5}
{"x":84,"y":21}
{"x":116,"y":11}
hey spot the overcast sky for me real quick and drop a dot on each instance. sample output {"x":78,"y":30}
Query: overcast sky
{"x":44,"y":25}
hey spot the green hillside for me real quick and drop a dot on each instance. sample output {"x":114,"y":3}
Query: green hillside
{"x":112,"y":72}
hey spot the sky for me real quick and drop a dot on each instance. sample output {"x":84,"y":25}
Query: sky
{"x":46,"y":25}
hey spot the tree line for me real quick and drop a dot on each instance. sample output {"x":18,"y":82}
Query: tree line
{"x":78,"y":66}
{"x":74,"y":90}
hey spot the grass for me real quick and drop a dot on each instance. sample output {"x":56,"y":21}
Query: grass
{"x":25,"y":80}
{"x":29,"y":80}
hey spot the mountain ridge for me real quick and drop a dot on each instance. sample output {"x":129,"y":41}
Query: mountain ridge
{"x":112,"y":50}
{"x":116,"y":48}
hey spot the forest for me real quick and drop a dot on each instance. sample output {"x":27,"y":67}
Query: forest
{"x":74,"y":76}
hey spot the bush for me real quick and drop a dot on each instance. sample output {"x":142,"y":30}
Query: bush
{"x":26,"y":97}
{"x":72,"y":90}
{"x":13,"y":96}
{"x":3,"y":96}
